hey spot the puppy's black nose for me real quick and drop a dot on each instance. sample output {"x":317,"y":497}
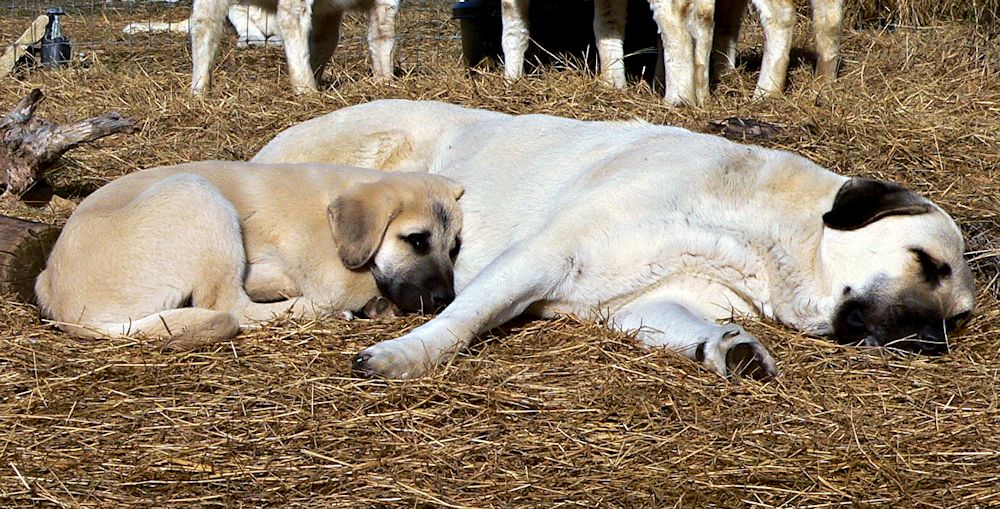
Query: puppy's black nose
{"x":441,"y":297}
{"x":931,"y":340}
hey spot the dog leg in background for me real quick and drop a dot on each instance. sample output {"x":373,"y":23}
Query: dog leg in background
{"x":324,"y":39}
{"x":206,"y":27}
{"x":724,"y":349}
{"x":381,"y":37}
{"x":700,"y":24}
{"x":777,"y":17}
{"x":827,"y":15}
{"x":729,"y":16}
{"x":296,"y":24}
{"x":514,"y":39}
{"x":678,"y":51}
{"x":609,"y":32}
{"x":526,"y":273}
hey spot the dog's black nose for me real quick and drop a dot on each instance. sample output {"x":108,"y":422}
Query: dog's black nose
{"x":441,"y":297}
{"x":931,"y":340}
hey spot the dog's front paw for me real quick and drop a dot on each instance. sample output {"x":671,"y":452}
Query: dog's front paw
{"x":736,"y":352}
{"x":398,"y":358}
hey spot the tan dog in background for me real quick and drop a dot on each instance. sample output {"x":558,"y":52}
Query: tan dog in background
{"x":190,"y":253}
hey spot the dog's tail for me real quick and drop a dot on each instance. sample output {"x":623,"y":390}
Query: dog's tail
{"x":177,"y":329}
{"x":156,"y":26}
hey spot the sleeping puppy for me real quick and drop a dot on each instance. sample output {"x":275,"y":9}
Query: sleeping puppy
{"x":657,"y":230}
{"x":190,"y":253}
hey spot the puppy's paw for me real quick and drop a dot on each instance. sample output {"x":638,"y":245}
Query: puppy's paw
{"x":736,"y":352}
{"x":398,"y":359}
{"x":380,"y":307}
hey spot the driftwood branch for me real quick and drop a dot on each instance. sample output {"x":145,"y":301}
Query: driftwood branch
{"x":30,"y":145}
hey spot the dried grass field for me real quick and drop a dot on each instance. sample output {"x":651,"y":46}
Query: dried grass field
{"x":541,"y":413}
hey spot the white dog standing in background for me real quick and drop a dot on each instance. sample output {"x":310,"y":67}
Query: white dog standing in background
{"x":657,"y":229}
{"x":686,"y":30}
{"x":310,"y":30}
{"x":254,"y":26}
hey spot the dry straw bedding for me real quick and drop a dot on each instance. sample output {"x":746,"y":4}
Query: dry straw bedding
{"x":543,"y":413}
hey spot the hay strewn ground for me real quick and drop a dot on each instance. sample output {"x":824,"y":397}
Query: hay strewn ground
{"x":544,"y":413}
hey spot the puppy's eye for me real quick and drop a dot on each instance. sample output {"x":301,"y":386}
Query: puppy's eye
{"x":458,"y":247}
{"x":420,"y":242}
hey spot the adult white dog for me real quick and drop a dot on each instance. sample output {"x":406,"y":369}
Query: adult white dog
{"x":254,"y":26}
{"x":659,"y":230}
{"x":310,"y":29}
{"x":686,"y":31}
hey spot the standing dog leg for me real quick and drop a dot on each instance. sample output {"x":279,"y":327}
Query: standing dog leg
{"x":700,"y":24}
{"x":827,"y":17}
{"x":295,"y":21}
{"x":678,"y":51}
{"x":381,"y":37}
{"x":515,"y":36}
{"x":724,"y":349}
{"x":206,"y":26}
{"x":778,"y":20}
{"x":609,"y":31}
{"x":525,"y":273}
{"x":728,"y":18}
{"x":324,"y":39}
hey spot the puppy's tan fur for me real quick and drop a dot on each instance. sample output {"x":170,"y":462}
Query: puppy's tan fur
{"x":225,"y":236}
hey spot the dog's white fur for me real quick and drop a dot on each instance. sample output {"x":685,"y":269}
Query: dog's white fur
{"x":254,"y":26}
{"x":686,"y":31}
{"x":241,"y":242}
{"x":656,"y":229}
{"x":310,"y":29}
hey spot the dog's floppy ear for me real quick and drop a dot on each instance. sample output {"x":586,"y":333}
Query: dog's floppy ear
{"x":861,"y":202}
{"x":359,"y":219}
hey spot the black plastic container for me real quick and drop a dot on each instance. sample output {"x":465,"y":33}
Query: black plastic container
{"x":558,"y":27}
{"x":56,"y":50}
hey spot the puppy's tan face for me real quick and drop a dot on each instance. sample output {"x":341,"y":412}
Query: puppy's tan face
{"x":901,"y":276}
{"x":406,"y":229}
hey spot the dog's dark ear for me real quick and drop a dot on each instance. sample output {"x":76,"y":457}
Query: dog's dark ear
{"x":861,"y":202}
{"x":359,"y":219}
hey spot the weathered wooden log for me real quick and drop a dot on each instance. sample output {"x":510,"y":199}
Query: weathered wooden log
{"x":24,"y":247}
{"x":30,"y":145}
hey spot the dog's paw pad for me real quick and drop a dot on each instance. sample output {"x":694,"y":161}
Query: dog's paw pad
{"x":360,"y":367}
{"x":748,"y":360}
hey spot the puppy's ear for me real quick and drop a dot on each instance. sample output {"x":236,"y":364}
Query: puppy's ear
{"x":861,"y":202}
{"x":359,"y":219}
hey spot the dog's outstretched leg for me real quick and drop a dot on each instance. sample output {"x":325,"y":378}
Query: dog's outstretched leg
{"x":525,"y":273}
{"x":726,"y":349}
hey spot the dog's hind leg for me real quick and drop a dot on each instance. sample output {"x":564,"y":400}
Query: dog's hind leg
{"x":381,"y":37}
{"x":609,"y":32}
{"x":726,"y":349}
{"x":527,"y":272}
{"x":206,"y":24}
{"x":777,"y":17}
{"x":828,"y":15}
{"x":514,"y":40}
{"x":296,"y":24}
{"x":324,"y":38}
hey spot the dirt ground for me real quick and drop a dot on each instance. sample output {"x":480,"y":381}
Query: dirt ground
{"x":541,"y":413}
